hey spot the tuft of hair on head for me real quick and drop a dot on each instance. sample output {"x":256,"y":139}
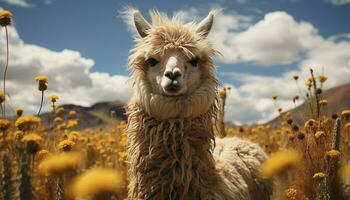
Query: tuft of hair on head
{"x":135,"y":21}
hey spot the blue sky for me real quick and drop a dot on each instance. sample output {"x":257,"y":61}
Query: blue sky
{"x":95,"y":29}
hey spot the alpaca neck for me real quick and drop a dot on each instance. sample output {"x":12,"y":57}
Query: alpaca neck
{"x":170,"y":158}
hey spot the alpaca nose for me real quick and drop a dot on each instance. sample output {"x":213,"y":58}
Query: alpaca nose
{"x":172,"y":75}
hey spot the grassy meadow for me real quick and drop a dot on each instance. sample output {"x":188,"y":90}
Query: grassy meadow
{"x":307,"y":160}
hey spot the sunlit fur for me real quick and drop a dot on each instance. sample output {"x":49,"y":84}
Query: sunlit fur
{"x":171,"y":140}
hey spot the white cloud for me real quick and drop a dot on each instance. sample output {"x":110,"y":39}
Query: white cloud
{"x":22,"y":3}
{"x":69,"y":75}
{"x":25,"y":3}
{"x":277,"y":39}
{"x":339,"y":2}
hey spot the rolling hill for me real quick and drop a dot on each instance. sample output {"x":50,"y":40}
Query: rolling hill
{"x":338,"y":100}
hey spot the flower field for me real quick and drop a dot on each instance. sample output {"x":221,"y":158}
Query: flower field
{"x":308,"y":160}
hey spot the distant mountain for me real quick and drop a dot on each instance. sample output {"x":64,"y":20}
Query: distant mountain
{"x":97,"y":115}
{"x":338,"y":100}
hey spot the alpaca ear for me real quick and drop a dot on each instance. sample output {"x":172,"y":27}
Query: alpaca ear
{"x":205,"y":25}
{"x":141,"y":24}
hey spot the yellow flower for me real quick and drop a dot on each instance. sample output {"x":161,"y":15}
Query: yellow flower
{"x":347,"y":125}
{"x":42,"y":81}
{"x":65,"y":145}
{"x":322,"y":78}
{"x":27,"y":122}
{"x":122,"y":155}
{"x":53,"y":98}
{"x":5,"y":17}
{"x":309,"y":123}
{"x":5,"y":13}
{"x":333,"y":154}
{"x":72,"y":123}
{"x":222,"y":93}
{"x":323,"y":102}
{"x":18,"y":135}
{"x":346,"y":113}
{"x":32,"y":137}
{"x":58,"y":120}
{"x":60,"y":111}
{"x":58,"y":164}
{"x":96,"y":182}
{"x":308,"y":84}
{"x":4,"y":124}
{"x":72,"y":112}
{"x":74,"y":136}
{"x":291,"y":193}
{"x":33,"y":142}
{"x":19,"y":112}
{"x":295,"y":98}
{"x":279,"y":162}
{"x":319,"y":176}
{"x":2,"y":97}
{"x":43,"y":154}
{"x":279,"y":109}
{"x":320,"y":134}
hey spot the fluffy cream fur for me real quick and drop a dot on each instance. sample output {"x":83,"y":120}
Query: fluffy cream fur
{"x":170,"y":139}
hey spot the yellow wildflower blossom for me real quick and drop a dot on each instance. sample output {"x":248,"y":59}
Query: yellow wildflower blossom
{"x":222,"y":93}
{"x":32,"y":137}
{"x":333,"y":154}
{"x":19,"y":112}
{"x":323,"y":102}
{"x":27,"y":122}
{"x":4,"y":124}
{"x":96,"y":182}
{"x":58,"y":120}
{"x":319,"y":176}
{"x":346,"y":113}
{"x":53,"y":98}
{"x":42,"y":154}
{"x":42,"y":81}
{"x":279,"y":162}
{"x":19,"y":135}
{"x":5,"y":18}
{"x":291,"y":193}
{"x":321,"y":78}
{"x":72,"y":113}
{"x":347,"y":125}
{"x":2,"y":97}
{"x":65,"y":145}
{"x":60,"y":111}
{"x":58,"y":164}
{"x":320,"y":134}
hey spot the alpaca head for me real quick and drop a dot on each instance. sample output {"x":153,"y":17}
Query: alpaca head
{"x":172,"y":66}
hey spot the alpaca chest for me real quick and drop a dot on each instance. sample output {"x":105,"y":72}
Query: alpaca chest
{"x":171,"y":159}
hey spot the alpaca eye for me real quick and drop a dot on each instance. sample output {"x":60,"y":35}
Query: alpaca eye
{"x":194,"y":62}
{"x":152,"y":62}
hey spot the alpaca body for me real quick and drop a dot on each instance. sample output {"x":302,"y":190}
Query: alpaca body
{"x":171,"y":140}
{"x":172,"y":159}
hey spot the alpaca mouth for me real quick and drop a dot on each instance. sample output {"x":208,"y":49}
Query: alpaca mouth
{"x":172,"y":89}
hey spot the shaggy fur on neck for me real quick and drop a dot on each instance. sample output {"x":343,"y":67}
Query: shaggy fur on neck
{"x":172,"y":159}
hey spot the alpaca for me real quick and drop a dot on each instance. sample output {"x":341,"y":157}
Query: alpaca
{"x":171,"y":142}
